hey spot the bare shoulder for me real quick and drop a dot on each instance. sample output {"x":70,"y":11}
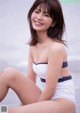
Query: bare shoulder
{"x":57,"y":45}
{"x":31,"y":48}
{"x":58,"y":48}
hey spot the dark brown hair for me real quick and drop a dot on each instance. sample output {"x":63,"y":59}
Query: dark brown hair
{"x":55,"y":11}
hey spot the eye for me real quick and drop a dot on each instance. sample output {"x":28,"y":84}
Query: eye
{"x":46,"y":14}
{"x":36,"y":10}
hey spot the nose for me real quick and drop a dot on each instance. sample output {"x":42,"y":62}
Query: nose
{"x":39,"y":16}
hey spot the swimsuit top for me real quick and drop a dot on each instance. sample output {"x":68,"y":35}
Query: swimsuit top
{"x":41,"y":68}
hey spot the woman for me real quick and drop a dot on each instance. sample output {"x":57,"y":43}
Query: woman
{"x":48,"y":60}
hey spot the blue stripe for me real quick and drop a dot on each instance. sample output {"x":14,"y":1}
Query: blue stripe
{"x":60,"y":79}
{"x":65,"y":64}
{"x":40,"y":63}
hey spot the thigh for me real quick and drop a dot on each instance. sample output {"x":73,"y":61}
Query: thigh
{"x":25,"y":88}
{"x":61,"y":106}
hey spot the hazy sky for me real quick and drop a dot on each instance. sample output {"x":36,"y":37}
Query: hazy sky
{"x":14,"y":30}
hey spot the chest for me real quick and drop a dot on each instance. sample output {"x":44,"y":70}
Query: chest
{"x":40,"y":54}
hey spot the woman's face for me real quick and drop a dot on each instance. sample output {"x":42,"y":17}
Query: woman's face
{"x":41,"y":19}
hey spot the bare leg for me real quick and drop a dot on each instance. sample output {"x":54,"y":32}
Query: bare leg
{"x":57,"y":106}
{"x":26,"y":89}
{"x":3,"y":86}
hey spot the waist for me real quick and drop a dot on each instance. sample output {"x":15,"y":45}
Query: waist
{"x":60,"y":79}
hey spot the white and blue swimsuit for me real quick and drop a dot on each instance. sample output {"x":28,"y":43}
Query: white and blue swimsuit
{"x":65,"y":86}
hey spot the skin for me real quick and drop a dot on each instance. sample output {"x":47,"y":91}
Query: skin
{"x":32,"y":98}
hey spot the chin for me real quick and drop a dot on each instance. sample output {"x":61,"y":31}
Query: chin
{"x":38,"y":29}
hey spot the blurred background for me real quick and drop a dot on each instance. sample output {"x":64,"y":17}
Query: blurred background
{"x":14,"y":34}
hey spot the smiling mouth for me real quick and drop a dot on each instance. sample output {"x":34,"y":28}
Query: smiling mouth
{"x":38,"y":23}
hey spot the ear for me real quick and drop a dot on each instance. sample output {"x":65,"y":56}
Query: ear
{"x":53,"y":24}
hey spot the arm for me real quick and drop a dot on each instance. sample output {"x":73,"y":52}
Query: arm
{"x":30,"y":72}
{"x":55,"y":60}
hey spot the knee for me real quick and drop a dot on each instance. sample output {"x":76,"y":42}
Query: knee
{"x":10,"y":70}
{"x":11,"y":111}
{"x":10,"y":73}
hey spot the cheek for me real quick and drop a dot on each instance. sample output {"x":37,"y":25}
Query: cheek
{"x":49,"y":22}
{"x":33,"y":16}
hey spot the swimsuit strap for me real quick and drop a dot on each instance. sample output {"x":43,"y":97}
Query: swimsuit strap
{"x":65,"y":64}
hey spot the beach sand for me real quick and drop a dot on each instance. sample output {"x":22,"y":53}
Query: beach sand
{"x":11,"y":100}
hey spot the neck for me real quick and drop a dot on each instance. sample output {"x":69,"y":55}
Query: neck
{"x":43,"y":37}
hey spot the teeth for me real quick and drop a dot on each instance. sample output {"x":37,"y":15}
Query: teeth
{"x":38,"y":23}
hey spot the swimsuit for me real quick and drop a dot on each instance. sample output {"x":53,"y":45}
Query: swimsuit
{"x":65,"y":86}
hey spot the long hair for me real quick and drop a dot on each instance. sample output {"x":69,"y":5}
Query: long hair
{"x":55,"y":12}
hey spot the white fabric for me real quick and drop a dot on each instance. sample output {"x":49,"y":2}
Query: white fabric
{"x":63,"y":90}
{"x":40,"y":69}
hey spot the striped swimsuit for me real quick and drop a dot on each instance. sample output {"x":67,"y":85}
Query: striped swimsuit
{"x":65,"y":86}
